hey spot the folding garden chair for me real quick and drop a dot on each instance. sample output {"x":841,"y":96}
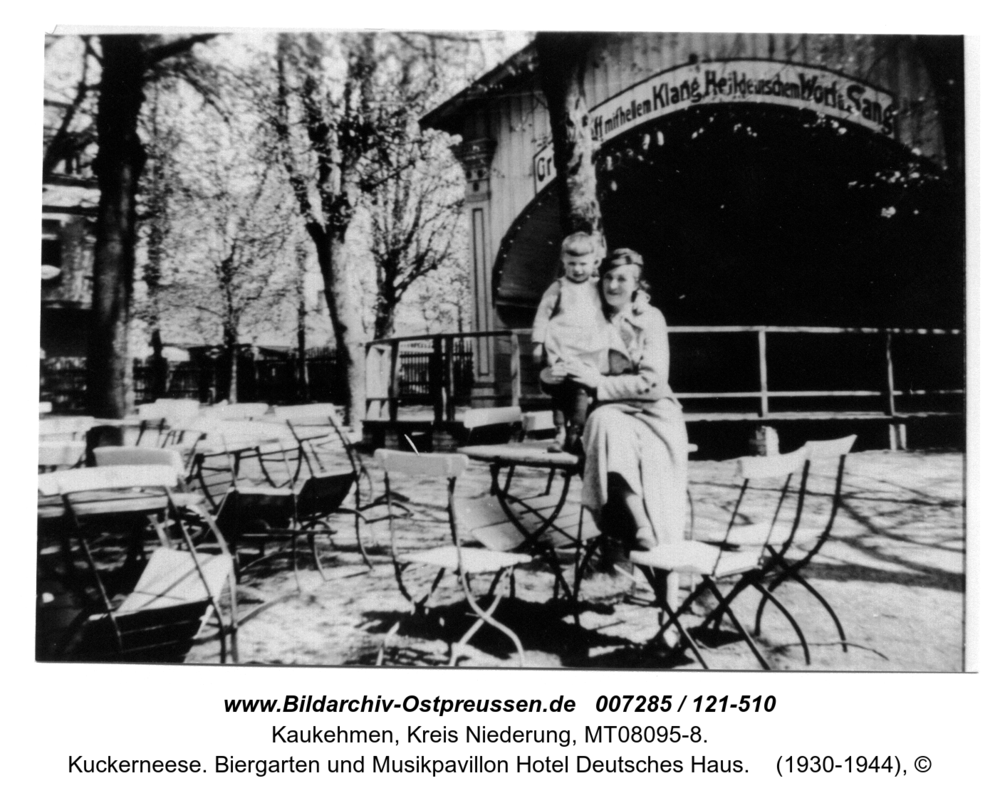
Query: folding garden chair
{"x":316,"y":429}
{"x":462,"y":560}
{"x":780,"y":564}
{"x":269,"y":445}
{"x":238,"y":411}
{"x":164,"y":415}
{"x":738,"y":557}
{"x":230,"y":450}
{"x":53,"y":455}
{"x":260,"y":514}
{"x":268,"y":509}
{"x":64,"y":428}
{"x":177,"y":593}
{"x":133,"y":455}
{"x":140,"y":455}
{"x":324,"y":447}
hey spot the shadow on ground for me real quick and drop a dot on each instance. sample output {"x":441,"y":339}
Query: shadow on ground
{"x":546,"y":628}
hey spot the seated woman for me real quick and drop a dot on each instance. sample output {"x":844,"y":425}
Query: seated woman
{"x":635,"y":441}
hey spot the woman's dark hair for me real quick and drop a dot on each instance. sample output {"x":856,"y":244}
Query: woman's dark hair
{"x":618,"y":258}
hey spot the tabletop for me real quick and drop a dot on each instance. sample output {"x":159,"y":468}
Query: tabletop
{"x":533,"y":453}
{"x":113,"y":502}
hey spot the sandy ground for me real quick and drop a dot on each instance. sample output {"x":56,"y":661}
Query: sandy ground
{"x":894,"y":571}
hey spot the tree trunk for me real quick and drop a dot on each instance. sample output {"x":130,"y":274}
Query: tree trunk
{"x":348,"y":329}
{"x":158,"y":386}
{"x":231,"y":358}
{"x":301,"y":365}
{"x":234,"y":363}
{"x":385,"y":319}
{"x":562,"y":59}
{"x":119,"y":162}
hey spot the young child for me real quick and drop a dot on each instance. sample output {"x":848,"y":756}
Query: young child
{"x":570,"y":325}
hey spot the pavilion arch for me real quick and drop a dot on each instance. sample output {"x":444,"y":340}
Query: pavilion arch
{"x":757,"y":214}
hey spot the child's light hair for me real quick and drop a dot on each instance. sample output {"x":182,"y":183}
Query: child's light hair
{"x":579,"y":243}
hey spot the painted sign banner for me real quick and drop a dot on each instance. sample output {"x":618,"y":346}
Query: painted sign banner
{"x":728,"y":82}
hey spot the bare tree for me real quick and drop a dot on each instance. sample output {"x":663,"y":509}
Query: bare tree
{"x":338,"y":109}
{"x":443,"y":297}
{"x":322,"y":123}
{"x":415,"y":207}
{"x":231,"y":237}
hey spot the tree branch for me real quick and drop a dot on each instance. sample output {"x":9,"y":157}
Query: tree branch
{"x":178,"y":46}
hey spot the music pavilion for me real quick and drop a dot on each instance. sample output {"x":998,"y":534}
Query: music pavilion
{"x":769,"y":180}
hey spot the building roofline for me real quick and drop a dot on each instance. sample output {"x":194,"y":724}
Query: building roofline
{"x":448,"y":115}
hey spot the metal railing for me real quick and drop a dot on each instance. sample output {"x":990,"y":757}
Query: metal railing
{"x":434,"y":370}
{"x":738,"y":372}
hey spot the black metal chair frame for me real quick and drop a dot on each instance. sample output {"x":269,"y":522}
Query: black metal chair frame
{"x":309,"y":454}
{"x":778,"y":564}
{"x":285,"y":513}
{"x":777,"y":568}
{"x":789,"y":466}
{"x":451,"y":467}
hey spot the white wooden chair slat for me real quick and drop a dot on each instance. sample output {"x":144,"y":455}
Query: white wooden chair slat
{"x":138,"y":455}
{"x":772,"y":465}
{"x":484,"y":417}
{"x":303,"y":414}
{"x":81,"y":480}
{"x":817,"y":450}
{"x":60,"y":453}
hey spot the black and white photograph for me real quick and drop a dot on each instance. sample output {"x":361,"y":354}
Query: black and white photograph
{"x":315,"y":388}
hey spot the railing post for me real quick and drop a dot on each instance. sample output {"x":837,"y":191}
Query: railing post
{"x":762,"y":358}
{"x":890,"y":402}
{"x":515,"y":370}
{"x":449,"y":378}
{"x":376,"y":388}
{"x":393,"y":380}
{"x":890,"y":378}
{"x":436,"y":378}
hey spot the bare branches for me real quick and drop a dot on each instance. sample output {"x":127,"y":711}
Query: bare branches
{"x":279,"y":120}
{"x":415,"y":206}
{"x":66,"y":144}
{"x":168,"y":49}
{"x":221,"y":222}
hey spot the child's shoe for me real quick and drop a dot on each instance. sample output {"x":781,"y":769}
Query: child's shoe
{"x":572,"y":442}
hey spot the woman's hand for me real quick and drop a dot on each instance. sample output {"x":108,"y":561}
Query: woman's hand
{"x":581,"y":373}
